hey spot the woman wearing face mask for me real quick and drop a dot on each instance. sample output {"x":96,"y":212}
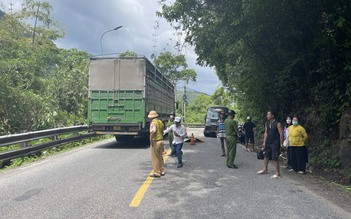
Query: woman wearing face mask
{"x":298,"y":150}
{"x":286,"y":142}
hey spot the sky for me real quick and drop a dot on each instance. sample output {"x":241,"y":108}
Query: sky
{"x":84,"y":22}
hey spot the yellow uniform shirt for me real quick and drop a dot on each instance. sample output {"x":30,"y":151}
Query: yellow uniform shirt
{"x":156,"y":127}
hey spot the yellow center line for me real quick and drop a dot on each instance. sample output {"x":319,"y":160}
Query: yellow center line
{"x":141,"y":192}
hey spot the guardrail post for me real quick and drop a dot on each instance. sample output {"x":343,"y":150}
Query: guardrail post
{"x":54,"y":138}
{"x":26,"y":143}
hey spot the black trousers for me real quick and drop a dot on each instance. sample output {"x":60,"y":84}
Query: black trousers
{"x":288,"y":155}
{"x":298,"y":158}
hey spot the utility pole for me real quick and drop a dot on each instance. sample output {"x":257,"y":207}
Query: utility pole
{"x":184,"y":102}
{"x":175,"y":95}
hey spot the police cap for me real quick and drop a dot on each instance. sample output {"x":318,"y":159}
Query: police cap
{"x":231,"y":112}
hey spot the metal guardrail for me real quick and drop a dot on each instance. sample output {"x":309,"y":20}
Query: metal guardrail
{"x":25,"y":138}
{"x":195,"y":125}
{"x":7,"y":140}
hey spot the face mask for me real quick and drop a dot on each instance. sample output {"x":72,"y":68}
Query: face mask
{"x":295,"y":122}
{"x":288,"y":121}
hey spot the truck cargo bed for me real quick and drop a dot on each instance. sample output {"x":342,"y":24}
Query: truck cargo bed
{"x":122,"y":92}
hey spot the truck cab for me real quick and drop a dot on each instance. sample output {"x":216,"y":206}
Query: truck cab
{"x":211,"y":119}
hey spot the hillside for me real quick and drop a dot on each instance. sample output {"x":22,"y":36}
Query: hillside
{"x":191,"y":95}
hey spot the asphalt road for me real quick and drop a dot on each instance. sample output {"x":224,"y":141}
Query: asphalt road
{"x":101,"y":179}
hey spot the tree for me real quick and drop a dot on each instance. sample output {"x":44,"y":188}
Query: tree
{"x":41,"y":86}
{"x":68,"y":88}
{"x":23,"y":70}
{"x":174,"y":67}
{"x":128,"y":54}
{"x":196,"y":110}
{"x":222,"y":98}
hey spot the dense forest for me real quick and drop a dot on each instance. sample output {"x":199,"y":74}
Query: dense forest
{"x":41,"y":86}
{"x":292,"y":57}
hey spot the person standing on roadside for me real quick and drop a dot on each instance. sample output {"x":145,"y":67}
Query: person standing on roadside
{"x":272,"y":141}
{"x":249,"y":128}
{"x":221,"y":131}
{"x":299,"y":154}
{"x":156,"y":144}
{"x":286,"y":142}
{"x":170,"y":136}
{"x":231,"y":133}
{"x":178,"y":131}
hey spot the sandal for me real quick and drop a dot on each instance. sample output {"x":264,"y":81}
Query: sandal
{"x":275,"y":176}
{"x":154,"y":175}
{"x":262,"y":172}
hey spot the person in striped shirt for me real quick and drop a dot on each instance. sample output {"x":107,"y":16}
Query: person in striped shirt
{"x":221,"y":131}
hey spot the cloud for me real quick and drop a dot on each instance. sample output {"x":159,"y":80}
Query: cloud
{"x":85,"y":22}
{"x":142,"y":32}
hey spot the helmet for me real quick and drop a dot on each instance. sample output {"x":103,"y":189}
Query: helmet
{"x":172,"y":114}
{"x":152,"y":114}
{"x":231,"y":112}
{"x":248,"y":118}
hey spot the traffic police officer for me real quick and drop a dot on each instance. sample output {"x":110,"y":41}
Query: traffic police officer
{"x":156,"y":144}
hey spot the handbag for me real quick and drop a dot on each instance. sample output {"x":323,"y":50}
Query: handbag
{"x":260,"y":155}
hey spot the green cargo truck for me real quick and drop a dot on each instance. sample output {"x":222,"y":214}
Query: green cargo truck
{"x":122,"y":91}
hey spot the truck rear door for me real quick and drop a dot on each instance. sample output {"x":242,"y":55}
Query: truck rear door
{"x":116,"y":94}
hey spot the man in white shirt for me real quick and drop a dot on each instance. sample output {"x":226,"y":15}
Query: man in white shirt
{"x":178,"y":137}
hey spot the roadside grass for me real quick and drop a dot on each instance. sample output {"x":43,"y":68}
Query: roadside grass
{"x":45,"y":153}
{"x":10,"y":148}
{"x":346,"y":188}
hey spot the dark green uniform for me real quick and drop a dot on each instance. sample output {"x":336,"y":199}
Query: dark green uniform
{"x":231,"y":134}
